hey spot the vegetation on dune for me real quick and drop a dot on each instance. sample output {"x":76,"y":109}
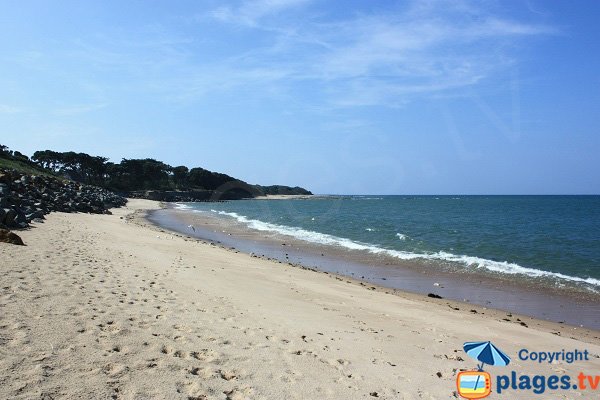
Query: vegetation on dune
{"x":134,"y":174}
{"x":20,"y":162}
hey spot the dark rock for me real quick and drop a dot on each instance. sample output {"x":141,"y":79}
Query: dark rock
{"x":24,"y":198}
{"x":35,"y":215}
{"x":9,"y":217}
{"x":7,"y":236}
{"x":434,"y":296}
{"x":21,"y":217}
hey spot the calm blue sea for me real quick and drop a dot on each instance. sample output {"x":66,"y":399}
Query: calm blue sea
{"x":551,"y":238}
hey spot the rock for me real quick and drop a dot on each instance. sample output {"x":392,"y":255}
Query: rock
{"x":21,"y":217}
{"x":9,"y":217}
{"x":24,"y":198}
{"x":434,"y":296}
{"x":35,"y":215}
{"x":7,"y":236}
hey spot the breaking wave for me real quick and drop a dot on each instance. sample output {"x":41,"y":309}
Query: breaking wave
{"x":503,"y":267}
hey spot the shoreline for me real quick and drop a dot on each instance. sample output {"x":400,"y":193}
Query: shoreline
{"x":285,"y":197}
{"x":578,"y":309}
{"x":136,"y":311}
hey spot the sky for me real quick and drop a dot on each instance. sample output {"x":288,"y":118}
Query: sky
{"x":352,"y":97}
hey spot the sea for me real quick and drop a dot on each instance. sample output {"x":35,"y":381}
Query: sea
{"x":550,"y":243}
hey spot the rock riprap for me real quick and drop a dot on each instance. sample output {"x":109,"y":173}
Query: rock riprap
{"x":26,"y":198}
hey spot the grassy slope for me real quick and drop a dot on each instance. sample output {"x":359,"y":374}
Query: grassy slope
{"x":24,"y":168}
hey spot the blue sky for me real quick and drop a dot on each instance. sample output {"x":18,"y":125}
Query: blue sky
{"x":407,"y":97}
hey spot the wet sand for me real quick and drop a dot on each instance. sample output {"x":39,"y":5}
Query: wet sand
{"x":508,"y":293}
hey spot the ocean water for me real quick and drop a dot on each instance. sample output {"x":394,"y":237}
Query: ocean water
{"x":553,"y":239}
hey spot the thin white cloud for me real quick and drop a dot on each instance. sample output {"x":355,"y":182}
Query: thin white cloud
{"x":6,"y":109}
{"x":296,"y":49}
{"x":500,"y":27}
{"x":223,"y":79}
{"x":428,"y":47}
{"x":250,"y":13}
{"x":79,"y":109}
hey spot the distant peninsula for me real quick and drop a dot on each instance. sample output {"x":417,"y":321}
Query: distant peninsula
{"x":141,"y":178}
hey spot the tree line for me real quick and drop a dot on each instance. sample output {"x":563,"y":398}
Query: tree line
{"x":136,"y":174}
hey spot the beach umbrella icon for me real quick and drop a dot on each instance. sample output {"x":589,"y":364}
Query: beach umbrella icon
{"x":487,"y":353}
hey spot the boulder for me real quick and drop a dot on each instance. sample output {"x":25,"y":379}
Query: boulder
{"x":35,"y":215}
{"x":7,"y":236}
{"x":21,"y":217}
{"x":9,"y":217}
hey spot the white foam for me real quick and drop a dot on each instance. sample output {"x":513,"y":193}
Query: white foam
{"x":467,"y":261}
{"x":181,"y":206}
{"x":401,"y":236}
{"x":370,"y":229}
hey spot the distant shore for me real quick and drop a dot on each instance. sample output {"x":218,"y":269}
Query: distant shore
{"x":284,"y":197}
{"x":111,"y":306}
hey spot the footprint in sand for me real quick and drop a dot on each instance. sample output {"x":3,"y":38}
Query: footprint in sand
{"x":180,"y":354}
{"x":116,"y":349}
{"x":114,"y":369}
{"x":238,"y":394}
{"x":203,"y":373}
{"x":227,"y":375}
{"x":204,"y":355}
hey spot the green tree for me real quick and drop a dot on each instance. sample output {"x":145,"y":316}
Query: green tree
{"x":200,"y":177}
{"x":180,"y":176}
{"x":141,"y":174}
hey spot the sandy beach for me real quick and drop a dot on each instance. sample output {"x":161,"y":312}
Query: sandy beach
{"x":109,"y":306}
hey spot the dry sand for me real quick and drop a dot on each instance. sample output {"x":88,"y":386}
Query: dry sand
{"x":101,"y":307}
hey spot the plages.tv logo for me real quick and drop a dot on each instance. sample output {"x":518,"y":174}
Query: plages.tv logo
{"x":478,"y":384}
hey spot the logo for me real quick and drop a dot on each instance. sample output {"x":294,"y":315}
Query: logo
{"x":474,"y":384}
{"x":478,"y":384}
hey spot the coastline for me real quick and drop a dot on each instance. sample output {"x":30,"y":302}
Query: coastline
{"x":136,"y":311}
{"x":285,"y":197}
{"x":577,"y":308}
